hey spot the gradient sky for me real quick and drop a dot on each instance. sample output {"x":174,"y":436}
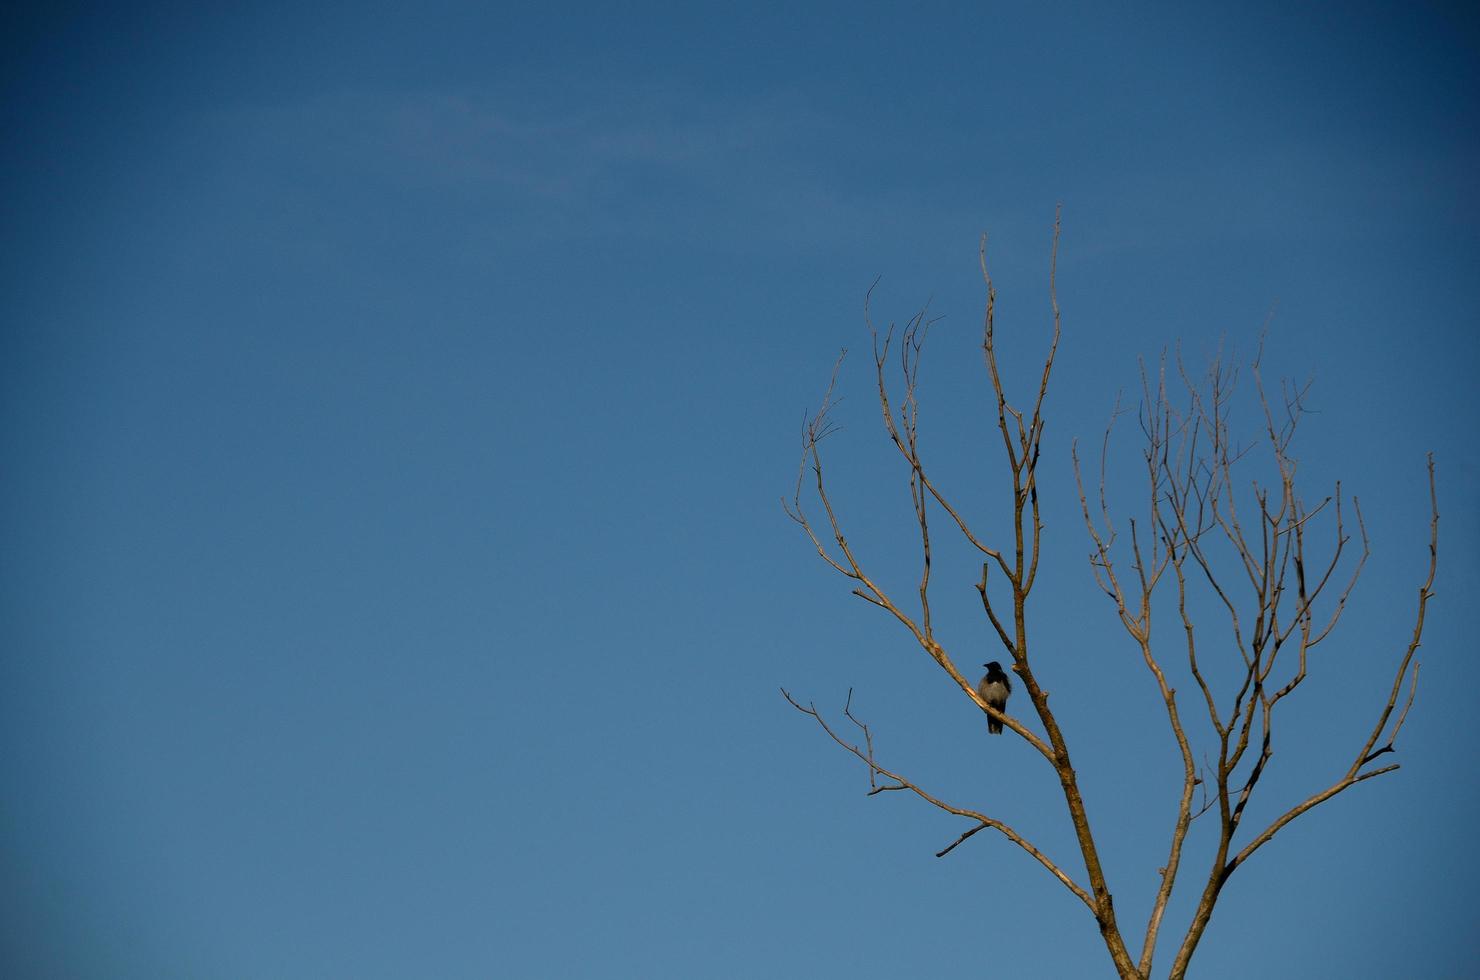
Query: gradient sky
{"x":396,"y":405}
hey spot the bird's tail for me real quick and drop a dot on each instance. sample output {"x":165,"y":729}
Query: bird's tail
{"x":994,"y":727}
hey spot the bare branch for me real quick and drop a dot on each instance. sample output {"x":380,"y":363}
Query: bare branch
{"x":902,"y":783}
{"x":1425,"y":593}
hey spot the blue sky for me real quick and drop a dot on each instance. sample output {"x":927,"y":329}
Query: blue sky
{"x":395,"y":406}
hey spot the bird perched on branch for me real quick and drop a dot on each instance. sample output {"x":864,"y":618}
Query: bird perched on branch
{"x":994,"y":689}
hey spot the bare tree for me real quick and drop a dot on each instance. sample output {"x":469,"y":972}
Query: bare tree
{"x":1254,"y":555}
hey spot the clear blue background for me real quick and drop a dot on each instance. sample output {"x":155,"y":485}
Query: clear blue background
{"x":396,"y":403}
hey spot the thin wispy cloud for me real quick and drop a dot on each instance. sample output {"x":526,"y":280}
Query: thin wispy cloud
{"x":636,"y":162}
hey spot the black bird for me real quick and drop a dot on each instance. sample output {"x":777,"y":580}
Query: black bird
{"x":994,"y":689}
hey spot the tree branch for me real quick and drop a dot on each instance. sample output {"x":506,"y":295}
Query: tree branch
{"x":866,"y":755}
